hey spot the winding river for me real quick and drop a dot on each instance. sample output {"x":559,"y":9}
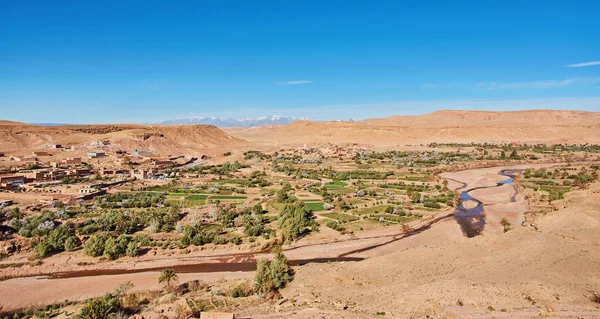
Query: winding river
{"x":472,"y":220}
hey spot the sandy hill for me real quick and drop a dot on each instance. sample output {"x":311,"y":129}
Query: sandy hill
{"x":6,"y":123}
{"x":478,"y":118}
{"x":539,"y":126}
{"x":177,"y":139}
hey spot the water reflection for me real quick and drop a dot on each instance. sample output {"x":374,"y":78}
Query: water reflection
{"x":472,"y":220}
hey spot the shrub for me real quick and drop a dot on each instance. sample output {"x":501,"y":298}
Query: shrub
{"x":335,"y":226}
{"x":415,"y":197}
{"x":262,"y":277}
{"x":57,"y":238}
{"x":506,"y":224}
{"x":235,"y":240}
{"x":100,"y":308}
{"x":43,"y":249}
{"x":294,"y":221}
{"x":132,"y":249}
{"x":279,"y":270}
{"x":239,"y":291}
{"x":94,"y":246}
{"x":273,"y":275}
{"x":253,"y":225}
{"x":219,"y":240}
{"x":115,"y":247}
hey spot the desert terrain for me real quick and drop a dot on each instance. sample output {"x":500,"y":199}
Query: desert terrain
{"x":454,"y":214}
{"x":550,"y":127}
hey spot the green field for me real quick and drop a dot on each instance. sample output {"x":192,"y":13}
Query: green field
{"x":342,"y":191}
{"x":227,"y":197}
{"x":369,"y":210}
{"x":336,"y":185}
{"x":277,"y":206}
{"x":227,"y":181}
{"x":423,"y":178}
{"x":173,"y":202}
{"x":176,"y":194}
{"x":340,"y":217}
{"x":314,"y":205}
{"x":197,"y":197}
{"x":391,"y":218}
{"x":542,"y":182}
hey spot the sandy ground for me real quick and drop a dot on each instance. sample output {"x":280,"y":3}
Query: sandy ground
{"x":370,"y":243}
{"x":520,"y":274}
{"x":32,"y":291}
{"x":543,"y":126}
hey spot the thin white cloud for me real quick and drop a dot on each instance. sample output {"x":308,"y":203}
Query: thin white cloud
{"x":579,"y":65}
{"x":294,"y":82}
{"x":527,"y":85}
{"x":427,"y":86}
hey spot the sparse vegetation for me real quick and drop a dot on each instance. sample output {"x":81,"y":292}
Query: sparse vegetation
{"x":505,"y":224}
{"x":271,"y":275}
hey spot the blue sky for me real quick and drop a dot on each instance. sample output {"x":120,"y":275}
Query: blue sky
{"x":140,"y":61}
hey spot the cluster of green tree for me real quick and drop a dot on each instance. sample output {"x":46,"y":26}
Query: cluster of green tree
{"x":390,"y":209}
{"x":199,"y":235}
{"x":128,"y":222}
{"x":112,"y":247}
{"x":254,"y":225}
{"x":361,"y":174}
{"x":37,"y":225}
{"x":283,"y":194}
{"x":285,"y":158}
{"x":8,"y":214}
{"x":73,"y":180}
{"x":297,"y":172}
{"x":580,"y":179}
{"x":58,"y":239}
{"x":256,"y":179}
{"x":335,"y":226}
{"x":176,"y":187}
{"x":584,"y":179}
{"x":330,"y":173}
{"x":257,"y":154}
{"x":406,"y":187}
{"x":432,"y":201}
{"x":383,"y":155}
{"x":414,"y":196}
{"x":295,"y":220}
{"x":226,"y":168}
{"x":513,"y":155}
{"x":272,"y":275}
{"x":130,"y":200}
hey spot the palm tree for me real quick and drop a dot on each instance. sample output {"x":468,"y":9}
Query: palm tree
{"x":168,"y":277}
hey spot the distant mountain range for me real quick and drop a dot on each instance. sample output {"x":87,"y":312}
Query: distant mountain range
{"x":221,"y":122}
{"x":246,"y":122}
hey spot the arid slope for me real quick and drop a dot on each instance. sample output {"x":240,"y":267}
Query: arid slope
{"x":177,"y":139}
{"x":524,"y":273}
{"x":541,"y":126}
